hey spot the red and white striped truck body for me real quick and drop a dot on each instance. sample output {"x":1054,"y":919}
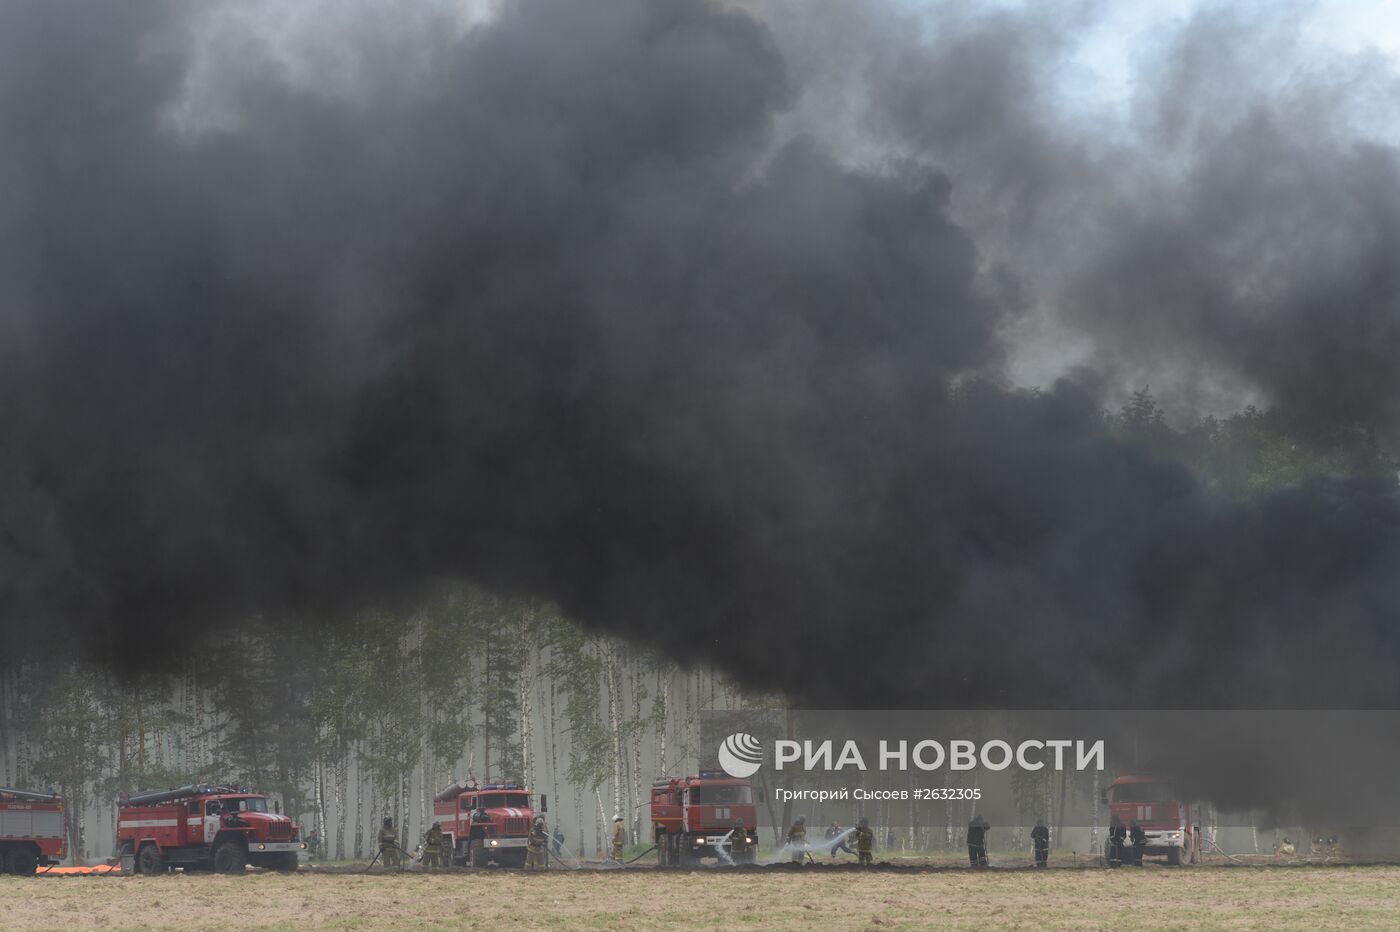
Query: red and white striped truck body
{"x":220,"y":828}
{"x":32,"y":830}
{"x":1171,"y":824}
{"x":486,"y":824}
{"x":694,"y":817}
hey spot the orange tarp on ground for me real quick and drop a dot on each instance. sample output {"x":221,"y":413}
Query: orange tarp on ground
{"x":100,"y":869}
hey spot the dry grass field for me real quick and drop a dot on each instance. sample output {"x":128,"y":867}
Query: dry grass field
{"x":781,"y":898}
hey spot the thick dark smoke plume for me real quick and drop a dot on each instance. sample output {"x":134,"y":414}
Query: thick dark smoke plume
{"x":585,"y":304}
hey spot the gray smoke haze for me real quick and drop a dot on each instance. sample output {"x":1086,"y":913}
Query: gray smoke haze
{"x":576,"y":302}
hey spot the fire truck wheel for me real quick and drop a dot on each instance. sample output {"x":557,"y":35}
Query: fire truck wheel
{"x":286,"y":861}
{"x":229,"y":858}
{"x":149,"y":861}
{"x":479,"y":856}
{"x":21,"y":862}
{"x":1174,"y":857}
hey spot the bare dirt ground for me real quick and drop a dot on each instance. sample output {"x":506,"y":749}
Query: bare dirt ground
{"x":1291,"y":897}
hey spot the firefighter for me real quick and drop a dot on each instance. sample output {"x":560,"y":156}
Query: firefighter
{"x":738,"y":843}
{"x":797,"y":839}
{"x":1287,"y":847}
{"x":832,"y":834}
{"x":619,"y":837}
{"x":432,"y":846}
{"x":1040,"y":838}
{"x":865,"y":843}
{"x":977,"y":831}
{"x":1139,"y":839}
{"x":556,"y":843}
{"x":537,"y":846}
{"x":389,"y":843}
{"x":1117,"y":833}
{"x":1325,"y":847}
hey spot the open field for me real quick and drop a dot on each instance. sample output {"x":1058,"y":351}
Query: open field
{"x":1206,"y":897}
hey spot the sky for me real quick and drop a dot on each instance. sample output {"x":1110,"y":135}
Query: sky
{"x":1126,"y":28}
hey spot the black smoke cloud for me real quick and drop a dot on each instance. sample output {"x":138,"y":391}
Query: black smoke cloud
{"x":1231,"y":235}
{"x":565,"y":306}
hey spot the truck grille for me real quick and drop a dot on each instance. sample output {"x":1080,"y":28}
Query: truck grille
{"x":516,"y":827}
{"x":279,"y":831}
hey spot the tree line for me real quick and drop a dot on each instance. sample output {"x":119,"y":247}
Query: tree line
{"x":348,"y":723}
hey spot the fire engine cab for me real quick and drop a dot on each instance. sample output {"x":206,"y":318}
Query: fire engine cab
{"x":485,"y":824}
{"x":31,"y":830}
{"x":695,"y":817}
{"x":219,"y":828}
{"x":1172,"y":826}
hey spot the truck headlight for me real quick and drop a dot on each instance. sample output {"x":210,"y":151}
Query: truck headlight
{"x":262,"y":847}
{"x":303,"y":846}
{"x":748,"y":841}
{"x":493,"y":843}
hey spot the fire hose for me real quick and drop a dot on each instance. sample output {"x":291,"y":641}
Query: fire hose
{"x":381,"y":851}
{"x":640,"y":856}
{"x":1214,"y":846}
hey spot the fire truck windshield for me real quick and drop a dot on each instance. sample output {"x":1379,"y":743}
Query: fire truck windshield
{"x":721,"y":795}
{"x":503,"y":801}
{"x":252,"y":804}
{"x":1142,"y":793}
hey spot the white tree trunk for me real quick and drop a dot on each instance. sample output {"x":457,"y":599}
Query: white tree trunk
{"x":663,"y":687}
{"x":615,"y":724}
{"x":527,"y":751}
{"x":636,"y":801}
{"x":1094,"y":825}
{"x":342,"y":803}
{"x":320,"y":805}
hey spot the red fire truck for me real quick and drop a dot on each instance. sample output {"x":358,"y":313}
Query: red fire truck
{"x":488,"y":823}
{"x":1172,"y":826}
{"x":31,"y":830}
{"x":222,"y":828}
{"x":693,"y":818}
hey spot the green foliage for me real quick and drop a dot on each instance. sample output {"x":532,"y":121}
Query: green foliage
{"x":1256,"y":451}
{"x":263,"y":687}
{"x":138,"y":710}
{"x":73,"y":728}
{"x":1252,"y":451}
{"x":577,"y":670}
{"x":74,"y":746}
{"x":445,"y":642}
{"x":387,"y":699}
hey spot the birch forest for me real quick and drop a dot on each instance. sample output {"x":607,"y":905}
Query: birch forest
{"x":367,"y":719}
